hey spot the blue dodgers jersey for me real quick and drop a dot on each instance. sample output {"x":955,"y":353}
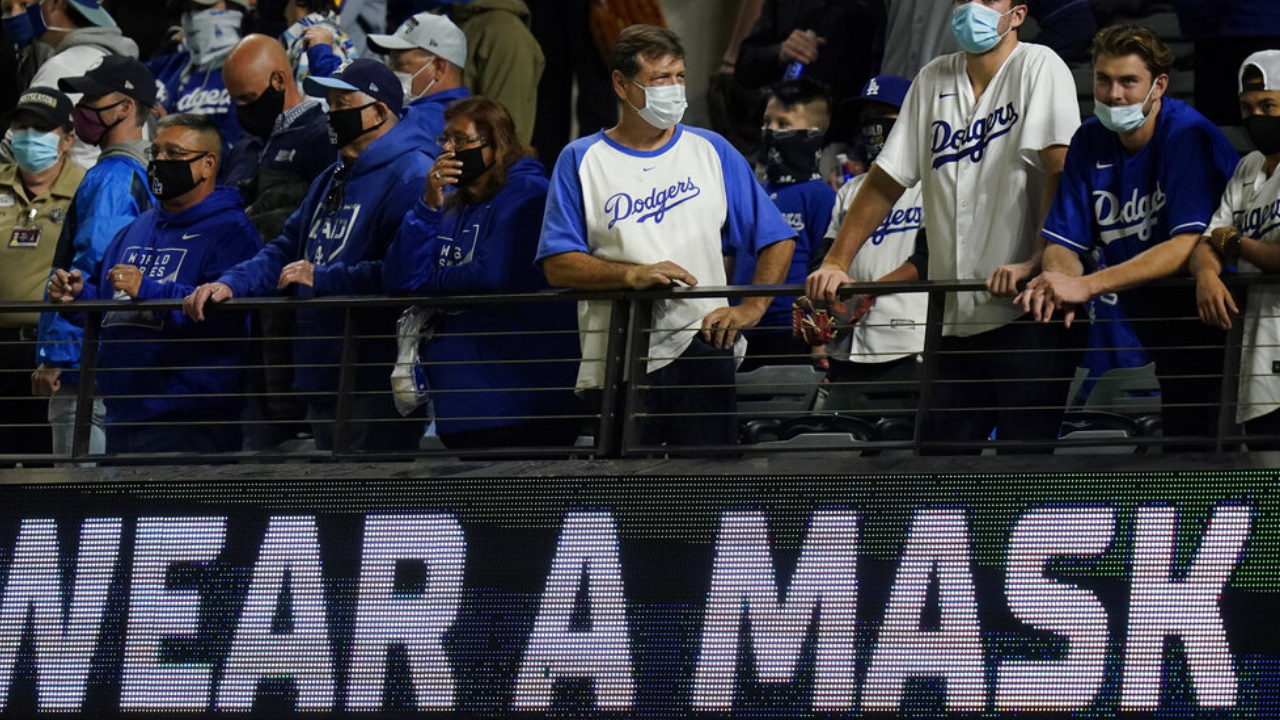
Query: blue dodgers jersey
{"x":1126,"y":203}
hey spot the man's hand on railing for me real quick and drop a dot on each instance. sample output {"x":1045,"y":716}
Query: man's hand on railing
{"x":660,"y":274}
{"x":45,"y":382}
{"x":127,"y":278}
{"x":721,"y":326}
{"x":1214,"y":301}
{"x":65,"y":286}
{"x":193,"y":304}
{"x":1004,"y":280}
{"x":1050,"y":292}
{"x":298,"y":272}
{"x":823,"y":284}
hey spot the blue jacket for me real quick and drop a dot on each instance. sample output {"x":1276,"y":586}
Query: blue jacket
{"x":202,"y":92}
{"x":489,"y":248}
{"x":112,"y":195}
{"x":152,"y":353}
{"x":423,"y":121}
{"x":347,"y":244}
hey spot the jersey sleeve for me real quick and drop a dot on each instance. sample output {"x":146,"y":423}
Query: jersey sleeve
{"x":564,"y":225}
{"x":753,"y":222}
{"x":1052,"y":106}
{"x":1192,"y":179}
{"x":901,"y":156}
{"x":844,"y":199}
{"x":1070,"y":220}
{"x":1224,"y":216}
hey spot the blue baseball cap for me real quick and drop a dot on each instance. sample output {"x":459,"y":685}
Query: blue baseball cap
{"x":363,"y":75}
{"x":887,"y":89}
{"x":93,"y":11}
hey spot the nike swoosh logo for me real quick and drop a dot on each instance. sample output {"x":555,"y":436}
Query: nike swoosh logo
{"x":1104,"y":166}
{"x":944,"y":96}
{"x":192,"y":235}
{"x":647,"y":169}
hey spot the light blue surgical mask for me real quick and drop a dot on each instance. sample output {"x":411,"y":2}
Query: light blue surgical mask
{"x":977,"y":27}
{"x":664,"y":105}
{"x":35,"y":151}
{"x":1123,"y":119}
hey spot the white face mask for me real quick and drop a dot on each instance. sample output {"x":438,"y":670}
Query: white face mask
{"x":406,"y":83}
{"x":208,"y":34}
{"x":664,"y":105}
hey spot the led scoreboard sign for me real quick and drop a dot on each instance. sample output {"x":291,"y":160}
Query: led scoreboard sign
{"x":688,"y":597}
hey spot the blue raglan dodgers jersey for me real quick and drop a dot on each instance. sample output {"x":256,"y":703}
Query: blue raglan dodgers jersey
{"x":683,"y":202}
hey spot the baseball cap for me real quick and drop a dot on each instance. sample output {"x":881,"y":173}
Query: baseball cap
{"x":888,"y":89}
{"x":114,"y":73}
{"x":1268,"y":63}
{"x":434,"y":33}
{"x":363,"y":74}
{"x":50,"y":106}
{"x":93,"y":11}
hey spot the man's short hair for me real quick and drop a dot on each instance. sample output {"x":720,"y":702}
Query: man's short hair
{"x":806,"y":91}
{"x":1122,"y":40}
{"x":204,"y":126}
{"x":642,"y":41}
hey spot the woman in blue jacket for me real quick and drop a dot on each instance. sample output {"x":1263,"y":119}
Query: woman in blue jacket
{"x":501,"y":375}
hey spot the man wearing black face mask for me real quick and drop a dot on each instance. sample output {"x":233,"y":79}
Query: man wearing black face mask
{"x":160,"y":370}
{"x":796,"y":118}
{"x":334,"y":245}
{"x":285,"y":147}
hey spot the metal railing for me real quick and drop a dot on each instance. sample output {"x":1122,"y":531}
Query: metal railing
{"x":614,"y":429}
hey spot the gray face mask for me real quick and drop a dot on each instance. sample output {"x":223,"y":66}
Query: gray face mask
{"x":209,"y":34}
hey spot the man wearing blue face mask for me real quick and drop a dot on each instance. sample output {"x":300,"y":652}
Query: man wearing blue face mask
{"x":1142,"y":180}
{"x":35,"y":192}
{"x":651,"y":203}
{"x":190,"y":80}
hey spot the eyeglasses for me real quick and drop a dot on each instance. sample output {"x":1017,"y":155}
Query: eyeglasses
{"x":172,"y":153}
{"x":458,"y":141}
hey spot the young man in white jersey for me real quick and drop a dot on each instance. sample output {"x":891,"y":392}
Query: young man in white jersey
{"x":651,"y":203}
{"x":1244,"y":236}
{"x":1141,"y":181}
{"x":985,"y":132}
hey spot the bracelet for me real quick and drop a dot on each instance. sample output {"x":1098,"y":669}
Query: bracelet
{"x":1231,"y":247}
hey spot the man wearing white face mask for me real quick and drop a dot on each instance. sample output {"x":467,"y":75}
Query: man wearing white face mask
{"x":1141,"y":182}
{"x":427,"y":54}
{"x":35,"y":192}
{"x":190,"y":80}
{"x":652,"y":203}
{"x":985,"y":132}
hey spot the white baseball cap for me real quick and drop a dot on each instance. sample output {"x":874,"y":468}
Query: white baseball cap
{"x":1268,"y":63}
{"x":426,"y":31}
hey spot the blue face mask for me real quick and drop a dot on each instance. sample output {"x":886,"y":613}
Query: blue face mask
{"x":25,"y":26}
{"x":1123,"y":119}
{"x":977,"y":27}
{"x":35,"y":151}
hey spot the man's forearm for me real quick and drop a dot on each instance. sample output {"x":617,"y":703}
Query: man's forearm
{"x":580,"y":271}
{"x":1161,"y":260}
{"x":1204,"y":260}
{"x":1061,"y":259}
{"x":772,"y":264}
{"x":871,"y":205}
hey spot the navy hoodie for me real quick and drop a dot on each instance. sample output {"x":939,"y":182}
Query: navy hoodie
{"x":152,"y":353}
{"x":343,"y":227}
{"x":489,"y":248}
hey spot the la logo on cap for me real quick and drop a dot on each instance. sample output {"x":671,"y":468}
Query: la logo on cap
{"x":431,"y":42}
{"x":873,"y":87}
{"x":343,"y":67}
{"x":128,"y":85}
{"x":373,"y":86}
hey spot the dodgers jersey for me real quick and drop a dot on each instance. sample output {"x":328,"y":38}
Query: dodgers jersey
{"x":682,"y":202}
{"x":894,"y":327}
{"x":1127,"y":203}
{"x":1251,"y":204}
{"x":978,"y":163}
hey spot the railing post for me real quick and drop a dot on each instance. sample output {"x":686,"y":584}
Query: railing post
{"x":613,"y":398}
{"x":82,"y":425}
{"x":1231,"y":358}
{"x":636,"y":369}
{"x":346,"y":384}
{"x":929,"y":366}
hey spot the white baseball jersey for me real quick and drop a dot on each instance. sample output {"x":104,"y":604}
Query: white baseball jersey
{"x":894,"y":327}
{"x":978,"y":163}
{"x":1251,"y":204}
{"x":683,"y":202}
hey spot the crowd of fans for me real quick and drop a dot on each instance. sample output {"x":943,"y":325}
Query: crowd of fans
{"x":330,"y":158}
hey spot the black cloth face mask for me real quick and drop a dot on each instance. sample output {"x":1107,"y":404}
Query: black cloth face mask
{"x":791,"y":156}
{"x":473,"y":164}
{"x":347,"y":125}
{"x":172,"y":178}
{"x":874,"y":134}
{"x":1264,"y":132}
{"x":258,"y":118}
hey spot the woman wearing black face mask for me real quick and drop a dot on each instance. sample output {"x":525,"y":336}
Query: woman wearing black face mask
{"x":501,"y":375}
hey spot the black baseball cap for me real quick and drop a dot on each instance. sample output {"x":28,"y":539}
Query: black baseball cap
{"x":365,"y":75}
{"x":115,"y":73}
{"x":52,"y":108}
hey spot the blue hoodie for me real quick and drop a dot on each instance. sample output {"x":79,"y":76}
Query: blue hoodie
{"x":113,"y":193}
{"x":150,"y":353}
{"x":489,"y":248}
{"x":347,"y":245}
{"x":423,"y":121}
